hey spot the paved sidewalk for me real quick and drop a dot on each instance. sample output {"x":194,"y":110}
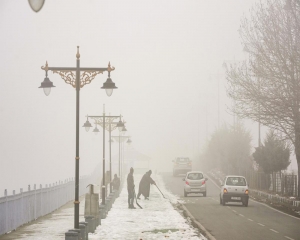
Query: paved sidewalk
{"x":52,"y":226}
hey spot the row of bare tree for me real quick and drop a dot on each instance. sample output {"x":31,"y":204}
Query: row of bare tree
{"x":266,"y":87}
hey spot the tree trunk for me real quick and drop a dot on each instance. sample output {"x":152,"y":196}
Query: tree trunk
{"x":298,"y":162}
{"x":298,"y":178}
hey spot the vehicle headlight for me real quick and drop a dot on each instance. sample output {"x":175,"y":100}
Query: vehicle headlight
{"x":224,"y":190}
{"x":247,"y":191}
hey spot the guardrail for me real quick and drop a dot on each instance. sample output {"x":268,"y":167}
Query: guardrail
{"x":24,"y":207}
{"x":289,"y":203}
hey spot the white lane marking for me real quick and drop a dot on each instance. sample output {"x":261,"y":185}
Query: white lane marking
{"x":241,"y":215}
{"x":259,"y":202}
{"x":289,"y":238}
{"x":250,"y":219}
{"x":274,"y":209}
{"x":214,"y":182}
{"x":273,"y":230}
{"x":261,"y":224}
{"x":234,"y":211}
{"x":229,"y":207}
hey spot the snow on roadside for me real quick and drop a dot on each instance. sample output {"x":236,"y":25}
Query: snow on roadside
{"x":157,"y":220}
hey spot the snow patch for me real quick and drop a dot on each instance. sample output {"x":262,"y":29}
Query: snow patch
{"x":157,"y":220}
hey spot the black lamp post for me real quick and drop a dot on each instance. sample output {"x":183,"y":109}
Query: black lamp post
{"x":102,"y":120}
{"x":120,"y":126}
{"x":77,"y":77}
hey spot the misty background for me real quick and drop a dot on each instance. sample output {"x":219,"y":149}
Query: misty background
{"x":168,"y":57}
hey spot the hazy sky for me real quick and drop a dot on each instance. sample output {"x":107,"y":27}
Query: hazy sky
{"x":168,"y":57}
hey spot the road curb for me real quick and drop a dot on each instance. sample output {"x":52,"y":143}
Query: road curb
{"x":199,"y":225}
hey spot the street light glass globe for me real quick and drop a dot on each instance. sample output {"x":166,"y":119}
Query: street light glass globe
{"x":36,"y":5}
{"x":109,"y":91}
{"x":87,"y":129}
{"x":47,"y":91}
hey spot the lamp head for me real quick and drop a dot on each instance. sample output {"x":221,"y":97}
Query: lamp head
{"x":109,"y":86}
{"x":96,"y":130}
{"x":124,"y":130}
{"x":120,"y":125}
{"x":87,"y":125}
{"x":47,"y":85}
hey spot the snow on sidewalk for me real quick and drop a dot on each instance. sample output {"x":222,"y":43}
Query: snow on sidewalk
{"x":157,"y":220}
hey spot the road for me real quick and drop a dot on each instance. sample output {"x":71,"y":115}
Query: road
{"x":233,"y":221}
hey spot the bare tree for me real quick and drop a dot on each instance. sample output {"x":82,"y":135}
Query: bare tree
{"x":266,"y":87}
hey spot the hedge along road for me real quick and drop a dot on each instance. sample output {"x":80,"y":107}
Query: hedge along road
{"x":234,"y":221}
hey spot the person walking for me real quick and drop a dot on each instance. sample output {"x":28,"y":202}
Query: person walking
{"x":144,"y":187}
{"x":130,"y":189}
{"x":116,"y":183}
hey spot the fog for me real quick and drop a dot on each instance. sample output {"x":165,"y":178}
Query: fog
{"x":168,"y":59}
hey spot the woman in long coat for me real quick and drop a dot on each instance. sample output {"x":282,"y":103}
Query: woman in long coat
{"x":144,"y":187}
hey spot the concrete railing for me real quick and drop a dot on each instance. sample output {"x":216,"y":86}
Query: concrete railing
{"x":26,"y":206}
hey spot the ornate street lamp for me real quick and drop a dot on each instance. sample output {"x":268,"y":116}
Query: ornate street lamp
{"x":106,"y":122}
{"x":78,"y":77}
{"x":120,"y":139}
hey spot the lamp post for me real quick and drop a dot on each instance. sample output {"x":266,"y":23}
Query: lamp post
{"x":120,"y":139}
{"x":106,"y":122}
{"x":77,"y":77}
{"x":120,"y":126}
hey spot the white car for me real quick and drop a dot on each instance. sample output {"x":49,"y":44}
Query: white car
{"x":234,"y":189}
{"x":194,"y":182}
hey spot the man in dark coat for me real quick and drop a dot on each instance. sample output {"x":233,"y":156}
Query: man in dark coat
{"x":115,"y":183}
{"x":130,"y":189}
{"x":144,"y":187}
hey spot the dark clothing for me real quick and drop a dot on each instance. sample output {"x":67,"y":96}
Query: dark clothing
{"x":116,"y":183}
{"x":130,"y":188}
{"x":130,"y":182}
{"x":144,"y":187}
